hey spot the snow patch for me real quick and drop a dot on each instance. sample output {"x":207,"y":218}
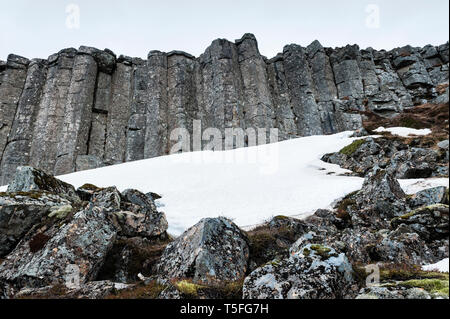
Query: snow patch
{"x":441,"y":266}
{"x":202,"y":184}
{"x":403,"y":131}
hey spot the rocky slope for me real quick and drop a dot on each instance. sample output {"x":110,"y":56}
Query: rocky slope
{"x":58,"y":242}
{"x":86,"y":108}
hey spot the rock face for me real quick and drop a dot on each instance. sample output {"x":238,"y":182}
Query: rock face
{"x":86,"y":108}
{"x":211,"y":251}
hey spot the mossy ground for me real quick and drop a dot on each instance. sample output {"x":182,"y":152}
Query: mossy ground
{"x":223,"y":290}
{"x":352,"y":148}
{"x":401,"y":275}
{"x":322,"y":251}
{"x":187,"y":289}
{"x":434,"y":286}
{"x":35,"y":194}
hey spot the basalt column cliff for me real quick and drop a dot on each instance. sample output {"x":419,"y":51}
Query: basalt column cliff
{"x":86,"y":108}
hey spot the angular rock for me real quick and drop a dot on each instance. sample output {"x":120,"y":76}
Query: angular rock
{"x":28,"y":179}
{"x":82,"y":244}
{"x":313,"y":272}
{"x":214,"y":250}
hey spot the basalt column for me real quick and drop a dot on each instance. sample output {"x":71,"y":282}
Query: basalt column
{"x":13,"y":81}
{"x":17,"y":150}
{"x":325,"y":90}
{"x":258,"y":107}
{"x":119,"y":112}
{"x":285,"y":118}
{"x":298,"y":75}
{"x":138,"y":112}
{"x":156,"y":132}
{"x":50,"y":116}
{"x":182,"y":103}
{"x":220,"y":87}
{"x":77,"y":113}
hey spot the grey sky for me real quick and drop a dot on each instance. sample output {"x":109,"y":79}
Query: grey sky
{"x":134,"y":27}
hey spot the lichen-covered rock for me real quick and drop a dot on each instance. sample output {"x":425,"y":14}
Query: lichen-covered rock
{"x":380,"y":199}
{"x":313,"y":271}
{"x":45,"y":253}
{"x":28,"y":179}
{"x":19,"y":211}
{"x":213,"y":250}
{"x":430,"y":222}
{"x":132,"y":212}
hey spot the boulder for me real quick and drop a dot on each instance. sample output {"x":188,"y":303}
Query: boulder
{"x":380,"y":199}
{"x":29,"y":179}
{"x":312,"y":272}
{"x":213,"y":250}
{"x":46,"y":253}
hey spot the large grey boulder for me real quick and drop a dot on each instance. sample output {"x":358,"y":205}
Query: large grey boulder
{"x":211,"y":251}
{"x":28,"y":179}
{"x":44,"y":255}
{"x":312,"y":272}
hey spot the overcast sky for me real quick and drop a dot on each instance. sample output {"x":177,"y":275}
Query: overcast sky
{"x":134,"y":27}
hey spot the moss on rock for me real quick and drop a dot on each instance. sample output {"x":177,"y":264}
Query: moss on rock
{"x":352,"y":148}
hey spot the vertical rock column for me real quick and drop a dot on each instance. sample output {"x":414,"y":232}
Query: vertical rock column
{"x":138,"y":112}
{"x":182,"y":103}
{"x":219,"y":86}
{"x":17,"y":151}
{"x":97,"y":138}
{"x":156,"y":134}
{"x":78,"y":112}
{"x":325,"y":90}
{"x":258,"y":106}
{"x":300,"y":84}
{"x":285,"y":118}
{"x":119,"y":112}
{"x":11,"y":88}
{"x":50,"y":115}
{"x":94,"y":155}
